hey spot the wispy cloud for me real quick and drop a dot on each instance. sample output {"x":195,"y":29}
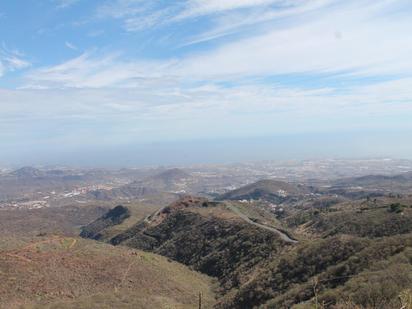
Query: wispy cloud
{"x":146,"y":21}
{"x":345,"y":40}
{"x":205,"y":7}
{"x":123,"y":8}
{"x":70,"y":45}
{"x":62,"y":4}
{"x":243,"y":21}
{"x":11,"y":60}
{"x":139,"y":15}
{"x":90,"y":70}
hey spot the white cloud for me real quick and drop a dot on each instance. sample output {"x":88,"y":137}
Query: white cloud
{"x":355,"y":39}
{"x":165,"y":111}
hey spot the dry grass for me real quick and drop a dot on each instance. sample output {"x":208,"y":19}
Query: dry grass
{"x":59,"y":272}
{"x":220,"y":212}
{"x":65,"y":220}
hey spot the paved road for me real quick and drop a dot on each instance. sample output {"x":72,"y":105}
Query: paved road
{"x":282,"y":235}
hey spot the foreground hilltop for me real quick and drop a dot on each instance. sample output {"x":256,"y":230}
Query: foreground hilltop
{"x":205,"y":235}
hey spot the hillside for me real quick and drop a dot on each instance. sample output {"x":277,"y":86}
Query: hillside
{"x":350,"y":253}
{"x":367,"y":223}
{"x":206,"y":236}
{"x":115,"y":216}
{"x":339,"y":272}
{"x":60,"y":272}
{"x":344,"y":250}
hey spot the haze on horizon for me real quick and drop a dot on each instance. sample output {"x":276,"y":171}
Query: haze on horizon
{"x":133,"y":82}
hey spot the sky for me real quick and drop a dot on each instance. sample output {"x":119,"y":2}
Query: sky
{"x":129,"y":82}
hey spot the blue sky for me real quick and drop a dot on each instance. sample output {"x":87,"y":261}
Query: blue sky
{"x":124,"y":74}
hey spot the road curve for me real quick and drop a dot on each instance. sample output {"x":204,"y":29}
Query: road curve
{"x":282,"y":235}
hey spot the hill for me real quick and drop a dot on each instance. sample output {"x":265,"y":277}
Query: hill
{"x":271,"y":190}
{"x":60,"y":272}
{"x":27,"y":172}
{"x":169,"y":180}
{"x":171,"y":175}
{"x":401,"y":183}
{"x":132,"y":190}
{"x":343,"y":253}
{"x":206,"y":236}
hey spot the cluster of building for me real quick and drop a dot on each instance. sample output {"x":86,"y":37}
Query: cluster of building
{"x":25,"y":205}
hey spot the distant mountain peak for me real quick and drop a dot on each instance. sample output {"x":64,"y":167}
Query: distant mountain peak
{"x":172,"y":174}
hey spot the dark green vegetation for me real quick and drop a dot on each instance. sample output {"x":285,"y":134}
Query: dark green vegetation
{"x":366,"y":223}
{"x":114,"y":217}
{"x":336,"y":270}
{"x":350,"y":254}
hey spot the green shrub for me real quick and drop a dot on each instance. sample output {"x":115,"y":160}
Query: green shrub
{"x":396,"y":207}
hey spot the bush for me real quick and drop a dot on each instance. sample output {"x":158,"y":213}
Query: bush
{"x":396,"y":207}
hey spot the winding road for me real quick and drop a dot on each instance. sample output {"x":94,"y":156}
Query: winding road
{"x":282,"y":235}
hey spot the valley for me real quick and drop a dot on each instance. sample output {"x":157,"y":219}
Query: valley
{"x":170,"y":238}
